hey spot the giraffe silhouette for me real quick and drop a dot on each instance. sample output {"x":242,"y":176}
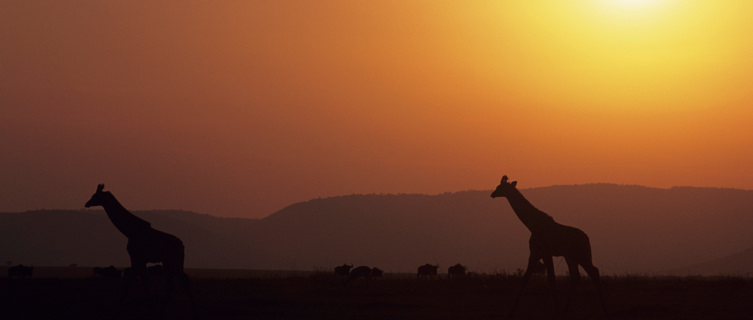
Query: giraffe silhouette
{"x":549,"y":239}
{"x":145,"y":244}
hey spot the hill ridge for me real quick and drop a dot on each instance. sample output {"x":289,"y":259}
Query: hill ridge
{"x":632,"y":229}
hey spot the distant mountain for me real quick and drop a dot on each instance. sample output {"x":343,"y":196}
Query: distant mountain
{"x":632,"y":229}
{"x":738,"y":264}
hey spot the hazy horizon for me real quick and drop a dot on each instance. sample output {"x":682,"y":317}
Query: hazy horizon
{"x":242,"y":108}
{"x":221,"y":215}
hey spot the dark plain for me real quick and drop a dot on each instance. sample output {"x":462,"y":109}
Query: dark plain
{"x":322,"y":295}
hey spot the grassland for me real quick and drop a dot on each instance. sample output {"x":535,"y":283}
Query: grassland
{"x":238,"y":294}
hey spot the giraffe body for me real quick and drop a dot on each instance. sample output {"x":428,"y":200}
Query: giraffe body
{"x":145,"y":244}
{"x":561,"y":241}
{"x":549,"y":239}
{"x":171,"y":254}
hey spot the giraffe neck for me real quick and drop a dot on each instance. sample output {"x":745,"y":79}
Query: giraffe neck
{"x":127,"y":223}
{"x":534,"y":219}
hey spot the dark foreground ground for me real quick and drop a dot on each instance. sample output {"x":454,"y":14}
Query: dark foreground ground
{"x":322,"y":296}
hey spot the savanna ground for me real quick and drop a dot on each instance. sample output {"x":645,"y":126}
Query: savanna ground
{"x":319,"y":295}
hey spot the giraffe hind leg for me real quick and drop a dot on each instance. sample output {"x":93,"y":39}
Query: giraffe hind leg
{"x":169,"y":284}
{"x":593,"y":272}
{"x":173,"y":269}
{"x":138,"y":269}
{"x":572,"y":267}
{"x":185,"y":281}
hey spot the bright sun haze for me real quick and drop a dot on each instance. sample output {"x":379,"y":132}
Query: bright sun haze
{"x":241,"y":108}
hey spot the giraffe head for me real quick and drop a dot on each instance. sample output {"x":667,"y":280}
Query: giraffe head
{"x":504,"y":188}
{"x":97,"y":198}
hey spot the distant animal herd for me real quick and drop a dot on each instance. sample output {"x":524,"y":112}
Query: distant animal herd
{"x":345,"y":271}
{"x":425,"y":271}
{"x":20,"y":271}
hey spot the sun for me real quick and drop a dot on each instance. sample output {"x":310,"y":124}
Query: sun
{"x":633,"y":9}
{"x":632,"y":3}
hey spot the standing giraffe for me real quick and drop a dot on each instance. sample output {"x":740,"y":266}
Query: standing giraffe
{"x":549,"y":239}
{"x":145,"y":244}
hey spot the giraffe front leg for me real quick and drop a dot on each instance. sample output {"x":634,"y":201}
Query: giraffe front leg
{"x":186,"y":283}
{"x":169,"y":284}
{"x":549,"y":266}
{"x":552,"y":279}
{"x":128,"y":276}
{"x":532,"y":262}
{"x":138,"y":268}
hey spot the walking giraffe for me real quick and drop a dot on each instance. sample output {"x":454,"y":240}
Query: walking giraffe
{"x":549,"y":239}
{"x":145,"y":244}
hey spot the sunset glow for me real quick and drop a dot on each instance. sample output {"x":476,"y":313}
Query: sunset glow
{"x":241,"y":108}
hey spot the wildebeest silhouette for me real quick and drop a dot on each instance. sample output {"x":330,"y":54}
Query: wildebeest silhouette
{"x":20,"y":271}
{"x":360,"y":272}
{"x":343,"y":270}
{"x":108,"y":272}
{"x":376,"y":272}
{"x":457,"y":270}
{"x":427,"y":270}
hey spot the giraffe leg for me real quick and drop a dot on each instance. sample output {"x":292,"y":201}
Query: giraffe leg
{"x":532,"y":261}
{"x":173,"y":268}
{"x":552,"y":278}
{"x":185,"y":282}
{"x":169,"y":283}
{"x":128,"y":276}
{"x":138,"y":269}
{"x":145,"y":280}
{"x":572,"y":267}
{"x":593,"y":272}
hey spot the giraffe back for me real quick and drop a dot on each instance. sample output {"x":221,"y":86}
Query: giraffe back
{"x":561,"y":240}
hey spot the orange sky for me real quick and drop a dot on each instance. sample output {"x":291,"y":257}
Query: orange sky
{"x":239,"y":108}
